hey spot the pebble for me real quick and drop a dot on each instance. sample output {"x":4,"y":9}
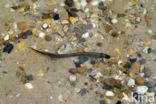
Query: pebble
{"x":73,"y":70}
{"x":26,"y":34}
{"x":83,"y":3}
{"x":48,"y":38}
{"x":83,"y":91}
{"x":142,"y":89}
{"x":118,"y":102}
{"x":131,"y":82}
{"x":82,"y":59}
{"x":56,"y":17}
{"x":6,"y":38}
{"x":29,"y":86}
{"x":109,"y":93}
{"x":82,"y":70}
{"x":114,"y":21}
{"x":72,"y":20}
{"x":22,"y":25}
{"x":140,"y":80}
{"x":72,"y":78}
{"x":147,"y":72}
{"x":29,"y":78}
{"x":60,"y":98}
{"x":8,"y":48}
{"x":21,"y":46}
{"x":85,"y":35}
{"x":41,"y":34}
{"x":150,"y":84}
{"x":45,"y":26}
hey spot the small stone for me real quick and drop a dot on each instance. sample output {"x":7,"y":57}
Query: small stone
{"x":101,"y":6}
{"x":109,"y":94}
{"x":40,"y":73}
{"x":72,"y":78}
{"x":142,"y":89}
{"x":22,"y":25}
{"x":82,"y":70}
{"x":130,"y":51}
{"x":131,"y":82}
{"x":48,"y":38}
{"x":6,"y":38}
{"x":82,"y":59}
{"x":45,"y":26}
{"x":56,"y":17}
{"x":83,"y":3}
{"x":29,"y":78}
{"x":133,"y":60}
{"x":8,"y":48}
{"x":119,"y":102}
{"x":140,"y":80}
{"x":85,"y":35}
{"x":147,"y":72}
{"x":70,"y":3}
{"x":26,"y":34}
{"x":148,"y":44}
{"x":150,"y":84}
{"x":72,"y":20}
{"x":107,"y":28}
{"x":114,"y":21}
{"x":41,"y":34}
{"x":83,"y":91}
{"x":65,"y":22}
{"x":29,"y":86}
{"x":73,"y":70}
{"x":21,"y":46}
{"x":60,"y":98}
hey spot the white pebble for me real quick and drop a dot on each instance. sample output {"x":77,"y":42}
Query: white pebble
{"x":94,"y":2}
{"x":114,"y":21}
{"x":142,"y":89}
{"x":85,"y":35}
{"x":45,"y":26}
{"x":60,"y":98}
{"x":109,"y":93}
{"x":15,"y":26}
{"x":41,"y":35}
{"x":6,"y":37}
{"x":150,"y":31}
{"x":29,"y":86}
{"x":72,"y":78}
{"x":55,"y":10}
{"x":131,"y":82}
{"x":83,"y":3}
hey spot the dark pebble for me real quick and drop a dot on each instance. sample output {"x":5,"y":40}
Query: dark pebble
{"x":56,"y":17}
{"x":150,"y":84}
{"x":69,"y":2}
{"x":29,"y":78}
{"x":83,"y":91}
{"x":77,"y":64}
{"x":89,"y":70}
{"x":101,"y":6}
{"x":85,"y":83}
{"x":73,"y":70}
{"x":149,"y":50}
{"x":118,"y":102}
{"x":82,"y":59}
{"x":91,"y":77}
{"x":26,"y":34}
{"x":101,"y":102}
{"x":92,"y":62}
{"x":4,"y":72}
{"x":138,"y":54}
{"x":8,"y":48}
{"x":136,"y":96}
{"x":127,"y":65}
{"x":133,"y":60}
{"x":48,"y":38}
